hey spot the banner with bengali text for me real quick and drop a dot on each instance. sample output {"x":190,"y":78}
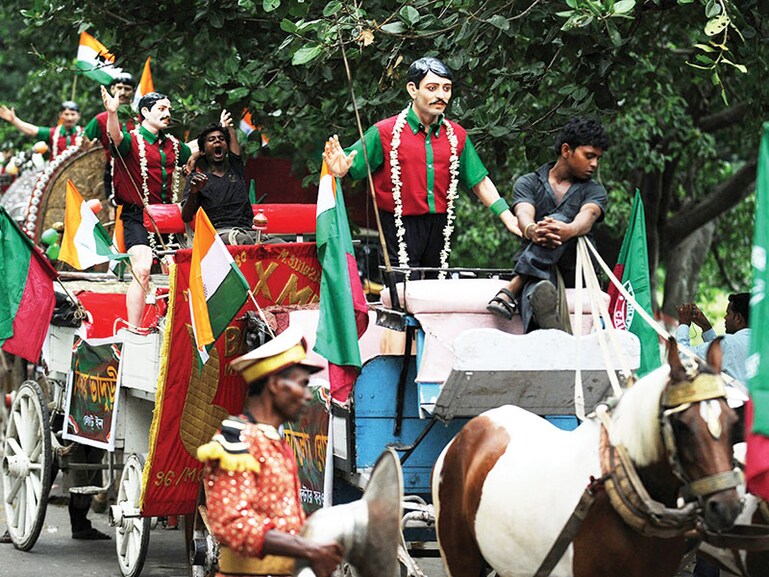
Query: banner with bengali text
{"x":308,"y":438}
{"x":92,"y":392}
{"x":191,"y":402}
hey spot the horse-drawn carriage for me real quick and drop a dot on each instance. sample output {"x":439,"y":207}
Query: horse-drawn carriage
{"x":433,"y":360}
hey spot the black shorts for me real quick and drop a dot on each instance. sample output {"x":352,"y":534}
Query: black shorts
{"x":134,"y":231}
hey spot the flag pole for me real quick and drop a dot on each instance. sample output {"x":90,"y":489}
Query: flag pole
{"x":74,"y":86}
{"x":383,"y":243}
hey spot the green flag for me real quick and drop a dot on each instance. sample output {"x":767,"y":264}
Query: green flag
{"x":633,"y":269}
{"x":758,"y":359}
{"x":252,"y":192}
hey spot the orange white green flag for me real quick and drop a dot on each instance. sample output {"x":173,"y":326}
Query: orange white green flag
{"x":145,"y":84}
{"x":95,"y":61}
{"x":217,"y":287}
{"x":85,"y":242}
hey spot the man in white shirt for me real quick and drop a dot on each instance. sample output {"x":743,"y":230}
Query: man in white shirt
{"x":736,"y":341}
{"x":734,"y":347}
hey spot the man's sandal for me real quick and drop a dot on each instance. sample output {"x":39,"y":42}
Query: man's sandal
{"x":503,"y":307}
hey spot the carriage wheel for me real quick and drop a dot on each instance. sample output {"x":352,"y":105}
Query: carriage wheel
{"x":132,"y":532}
{"x":204,"y":548}
{"x":26,"y":465}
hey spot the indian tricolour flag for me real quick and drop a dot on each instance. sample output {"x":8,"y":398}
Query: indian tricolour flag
{"x":343,"y":309}
{"x":145,"y":84}
{"x":217,"y":287}
{"x":85,"y":242}
{"x":247,"y":126}
{"x":95,"y":61}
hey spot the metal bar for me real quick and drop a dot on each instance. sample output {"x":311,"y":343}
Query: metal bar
{"x":401,"y":393}
{"x":422,"y":435}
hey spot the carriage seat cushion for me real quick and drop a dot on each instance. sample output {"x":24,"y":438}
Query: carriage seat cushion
{"x":460,"y":296}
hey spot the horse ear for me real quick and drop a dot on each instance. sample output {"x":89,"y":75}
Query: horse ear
{"x":677,"y":370}
{"x":715,"y":356}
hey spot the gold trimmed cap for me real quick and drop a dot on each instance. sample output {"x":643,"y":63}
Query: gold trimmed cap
{"x":286,"y":349}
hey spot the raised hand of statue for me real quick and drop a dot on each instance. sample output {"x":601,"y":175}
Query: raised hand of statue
{"x":111,"y":103}
{"x":337,"y":161}
{"x":7,"y":114}
{"x":225,"y":119}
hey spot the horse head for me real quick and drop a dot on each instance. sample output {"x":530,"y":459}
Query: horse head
{"x":696,"y":424}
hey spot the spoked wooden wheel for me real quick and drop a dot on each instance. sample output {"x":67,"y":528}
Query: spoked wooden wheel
{"x":26,"y":465}
{"x":204,"y":548}
{"x":132,"y":532}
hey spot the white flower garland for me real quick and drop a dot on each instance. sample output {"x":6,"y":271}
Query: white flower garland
{"x":451,"y":194}
{"x":57,"y":135}
{"x":145,"y":174}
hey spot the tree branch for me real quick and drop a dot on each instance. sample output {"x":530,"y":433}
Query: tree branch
{"x":723,"y":197}
{"x":724,"y":118}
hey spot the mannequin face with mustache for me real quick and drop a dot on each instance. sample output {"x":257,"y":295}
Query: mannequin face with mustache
{"x":158,"y":117}
{"x":431,"y":97}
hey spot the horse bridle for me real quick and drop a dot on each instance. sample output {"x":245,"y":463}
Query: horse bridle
{"x":678,"y":398}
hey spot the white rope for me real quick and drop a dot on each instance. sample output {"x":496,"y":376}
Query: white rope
{"x":579,"y":392}
{"x":591,"y":282}
{"x":604,"y":312}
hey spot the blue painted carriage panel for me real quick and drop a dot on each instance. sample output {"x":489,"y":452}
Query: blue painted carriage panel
{"x":375,"y":409}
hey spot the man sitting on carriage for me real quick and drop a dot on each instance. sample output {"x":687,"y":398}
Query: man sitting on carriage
{"x":218,"y":184}
{"x":555,"y":204}
{"x":251,"y":477}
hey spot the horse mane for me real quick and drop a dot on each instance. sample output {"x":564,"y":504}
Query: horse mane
{"x":636,"y":418}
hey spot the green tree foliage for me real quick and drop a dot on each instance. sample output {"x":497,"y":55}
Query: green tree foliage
{"x":677,"y":82}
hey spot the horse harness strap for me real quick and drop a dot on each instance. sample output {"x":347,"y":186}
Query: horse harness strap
{"x":632,"y":502}
{"x":570,"y":529}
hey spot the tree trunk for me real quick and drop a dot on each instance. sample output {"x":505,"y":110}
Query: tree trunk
{"x":682,"y":268}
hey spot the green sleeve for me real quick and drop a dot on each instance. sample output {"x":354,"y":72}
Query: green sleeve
{"x":92,"y":129}
{"x":375,"y":154}
{"x":471,"y":169}
{"x":125,"y":145}
{"x":184,"y":153}
{"x":43,"y":133}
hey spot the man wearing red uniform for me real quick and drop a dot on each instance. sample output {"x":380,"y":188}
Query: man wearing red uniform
{"x":145,"y":173}
{"x":121,"y":86}
{"x":60,"y":137}
{"x":251,"y":481}
{"x":418,"y":159}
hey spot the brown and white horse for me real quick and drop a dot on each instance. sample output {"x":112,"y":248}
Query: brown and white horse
{"x":508,"y":482}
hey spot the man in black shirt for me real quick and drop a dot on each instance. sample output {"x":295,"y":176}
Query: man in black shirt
{"x":218,"y":184}
{"x":554,"y":205}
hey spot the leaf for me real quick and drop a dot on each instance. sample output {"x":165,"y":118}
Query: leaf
{"x":332,"y":8}
{"x":366,"y":37}
{"x":499,"y":21}
{"x":712,"y":9}
{"x":288,"y":26}
{"x":216,"y":19}
{"x":270,"y":5}
{"x":237,"y":94}
{"x":624,"y":6}
{"x":716,"y":25}
{"x":306,"y":54}
{"x":705,"y":47}
{"x":409,"y":15}
{"x":741,"y":67}
{"x":393,"y":28}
